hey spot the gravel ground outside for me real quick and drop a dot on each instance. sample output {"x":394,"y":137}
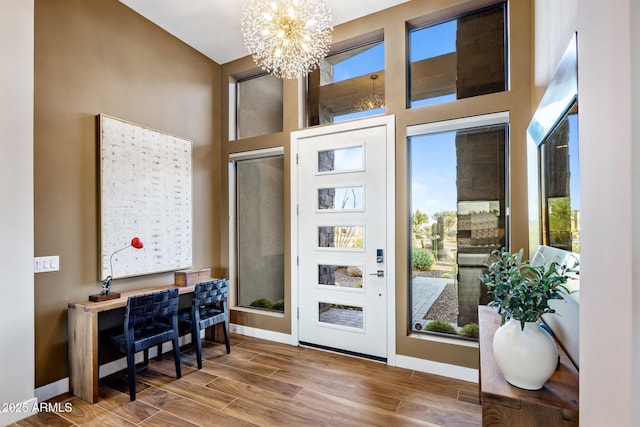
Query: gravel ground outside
{"x":445,"y":306}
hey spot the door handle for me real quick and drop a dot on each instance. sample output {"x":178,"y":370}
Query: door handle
{"x":379,"y":273}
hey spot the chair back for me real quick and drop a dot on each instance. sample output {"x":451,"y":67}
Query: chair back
{"x":208,"y":293}
{"x":151,"y":307}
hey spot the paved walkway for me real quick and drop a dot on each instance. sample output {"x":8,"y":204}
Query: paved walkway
{"x":425,"y":290}
{"x":340,"y":316}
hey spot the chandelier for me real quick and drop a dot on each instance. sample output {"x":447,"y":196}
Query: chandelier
{"x":287,"y":38}
{"x":371,"y":101}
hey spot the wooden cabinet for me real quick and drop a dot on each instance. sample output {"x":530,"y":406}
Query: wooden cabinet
{"x":556,"y":404}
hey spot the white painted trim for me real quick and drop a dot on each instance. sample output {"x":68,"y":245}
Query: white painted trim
{"x":51,"y":390}
{"x":263,"y":334}
{"x":232,"y":299}
{"x":438,"y":368}
{"x":389,"y":122}
{"x":233,"y":84}
{"x":25,"y":409}
{"x":120,"y":364}
{"x":256,"y":154}
{"x":59,"y":387}
{"x":390,"y":257}
{"x":233,"y":277}
{"x":456,"y":124}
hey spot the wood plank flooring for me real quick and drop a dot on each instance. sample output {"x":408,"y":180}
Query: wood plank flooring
{"x":262,"y":383}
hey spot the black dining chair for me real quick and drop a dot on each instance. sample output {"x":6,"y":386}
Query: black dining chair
{"x":150,"y":320}
{"x":208,"y":309}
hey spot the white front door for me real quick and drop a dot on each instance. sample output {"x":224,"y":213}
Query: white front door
{"x":343,"y":245}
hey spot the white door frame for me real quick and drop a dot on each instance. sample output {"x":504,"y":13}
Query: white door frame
{"x":389,"y":122}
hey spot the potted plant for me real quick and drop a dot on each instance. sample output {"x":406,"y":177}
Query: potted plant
{"x":526,"y":354}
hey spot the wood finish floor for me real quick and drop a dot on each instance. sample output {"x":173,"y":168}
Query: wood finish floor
{"x":262,"y":383}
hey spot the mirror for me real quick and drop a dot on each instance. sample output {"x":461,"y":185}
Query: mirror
{"x":554,"y":191}
{"x":553,"y":164}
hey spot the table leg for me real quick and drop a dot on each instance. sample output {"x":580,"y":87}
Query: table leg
{"x":83,"y":353}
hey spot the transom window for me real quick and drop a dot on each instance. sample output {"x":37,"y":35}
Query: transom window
{"x":347,"y":85}
{"x":459,"y":58}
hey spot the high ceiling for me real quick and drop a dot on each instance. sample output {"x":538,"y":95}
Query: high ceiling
{"x":213,"y":26}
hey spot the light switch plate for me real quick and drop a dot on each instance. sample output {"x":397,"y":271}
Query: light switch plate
{"x":45,"y":264}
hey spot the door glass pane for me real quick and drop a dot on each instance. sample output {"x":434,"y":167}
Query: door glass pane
{"x":341,"y":159}
{"x":458,"y":217}
{"x":344,"y":276}
{"x":459,"y":58}
{"x":260,"y":233}
{"x":343,"y":237}
{"x":341,"y":198}
{"x":342,"y":315}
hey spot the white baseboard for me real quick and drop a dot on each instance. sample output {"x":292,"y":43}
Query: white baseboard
{"x":263,"y":334}
{"x":438,"y":368}
{"x":51,"y":390}
{"x":19,"y":411}
{"x":120,"y":364}
{"x":59,"y":387}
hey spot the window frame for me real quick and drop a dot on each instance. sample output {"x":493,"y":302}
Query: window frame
{"x":459,"y":124}
{"x":233,"y":228}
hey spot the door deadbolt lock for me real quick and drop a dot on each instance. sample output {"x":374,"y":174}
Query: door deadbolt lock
{"x":379,"y":273}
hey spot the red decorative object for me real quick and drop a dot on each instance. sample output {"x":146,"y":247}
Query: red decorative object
{"x":106,"y":283}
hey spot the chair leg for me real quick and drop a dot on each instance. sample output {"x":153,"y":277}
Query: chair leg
{"x":131,"y":365}
{"x":146,"y":356}
{"x":226,"y":337}
{"x":159,"y":355}
{"x":176,"y":356}
{"x":195,"y":336}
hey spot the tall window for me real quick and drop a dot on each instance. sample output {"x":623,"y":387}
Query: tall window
{"x":258,"y":106}
{"x":347,"y":85}
{"x":457,"y":59}
{"x":458,"y":215}
{"x":259,"y":209}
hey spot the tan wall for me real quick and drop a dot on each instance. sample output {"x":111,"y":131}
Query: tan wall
{"x":98,"y":56}
{"x":517,"y":101}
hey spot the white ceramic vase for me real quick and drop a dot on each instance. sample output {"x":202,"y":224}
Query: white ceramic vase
{"x":527,"y":358}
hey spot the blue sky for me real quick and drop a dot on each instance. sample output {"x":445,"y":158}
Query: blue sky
{"x":433,"y":176}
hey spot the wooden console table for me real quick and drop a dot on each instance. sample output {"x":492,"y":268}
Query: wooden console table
{"x":84,"y":336}
{"x":556,"y":404}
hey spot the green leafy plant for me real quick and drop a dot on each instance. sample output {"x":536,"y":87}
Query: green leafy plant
{"x":470,"y":330}
{"x":422,"y":259}
{"x":261,"y":303}
{"x":278,"y":305}
{"x":523,"y":292}
{"x":441,"y":326}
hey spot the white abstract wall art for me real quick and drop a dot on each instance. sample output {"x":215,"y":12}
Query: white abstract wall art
{"x":145,"y":192}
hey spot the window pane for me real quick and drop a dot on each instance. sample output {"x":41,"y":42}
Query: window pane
{"x":341,"y":198}
{"x":341,"y":315}
{"x":457,"y":184}
{"x":260,"y":234}
{"x":347,"y":85}
{"x":259,"y":106}
{"x":343,"y":237}
{"x":459,"y":58}
{"x":341,"y":159}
